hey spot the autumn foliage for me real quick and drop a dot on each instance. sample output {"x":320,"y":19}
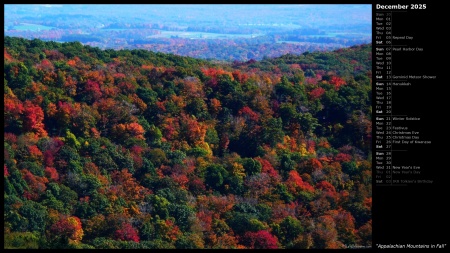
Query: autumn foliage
{"x":260,"y":240}
{"x":126,"y":233}
{"x":68,"y":227}
{"x":133,"y":149}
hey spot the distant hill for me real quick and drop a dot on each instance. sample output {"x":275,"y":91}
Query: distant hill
{"x":210,"y":31}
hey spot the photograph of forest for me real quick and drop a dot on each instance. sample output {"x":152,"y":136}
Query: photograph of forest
{"x":259,"y":141}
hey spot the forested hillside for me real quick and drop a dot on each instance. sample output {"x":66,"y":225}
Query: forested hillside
{"x":135,"y":149}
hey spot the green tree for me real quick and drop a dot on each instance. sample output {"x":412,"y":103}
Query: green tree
{"x":287,"y":230}
{"x":17,"y":75}
{"x":36,"y":215}
{"x":160,"y":206}
{"x":214,"y":176}
{"x":251,"y":166}
{"x":273,"y":131}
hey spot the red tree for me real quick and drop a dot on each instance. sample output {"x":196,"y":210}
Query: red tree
{"x":267,"y":167}
{"x":93,"y":90}
{"x":51,"y":173}
{"x":316,"y":93}
{"x":341,"y":157}
{"x":126,"y":233}
{"x":13,"y":108}
{"x":33,"y":117}
{"x":296,"y":183}
{"x":248,"y":113}
{"x":260,"y":240}
{"x":36,"y":184}
{"x":5,"y":171}
{"x":325,"y":186}
{"x":68,"y":227}
{"x":337,"y":82}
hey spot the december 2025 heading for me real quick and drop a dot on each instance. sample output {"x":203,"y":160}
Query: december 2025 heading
{"x":401,"y":6}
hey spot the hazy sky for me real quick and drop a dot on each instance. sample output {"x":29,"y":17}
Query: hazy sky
{"x":225,"y":13}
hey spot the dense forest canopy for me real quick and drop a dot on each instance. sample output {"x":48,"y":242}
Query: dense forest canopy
{"x":136,"y":149}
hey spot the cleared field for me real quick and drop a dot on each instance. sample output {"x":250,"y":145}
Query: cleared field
{"x":30,"y":27}
{"x":200,"y":35}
